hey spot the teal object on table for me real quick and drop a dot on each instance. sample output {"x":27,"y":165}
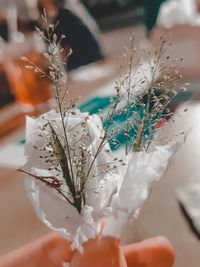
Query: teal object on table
{"x":94,"y":105}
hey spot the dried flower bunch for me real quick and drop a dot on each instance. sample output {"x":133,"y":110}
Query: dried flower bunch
{"x":75,"y":178}
{"x":143,"y":95}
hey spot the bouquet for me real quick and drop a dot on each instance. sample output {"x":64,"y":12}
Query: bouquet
{"x":74,"y":179}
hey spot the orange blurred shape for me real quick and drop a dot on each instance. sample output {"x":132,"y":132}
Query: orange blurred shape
{"x":106,"y":252}
{"x":100,"y":252}
{"x":27,"y":85}
{"x":53,"y":250}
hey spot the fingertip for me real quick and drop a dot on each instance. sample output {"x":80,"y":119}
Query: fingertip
{"x":161,"y":252}
{"x":50,"y":250}
{"x":57,"y":249}
{"x":153,"y":252}
{"x":165,"y":245}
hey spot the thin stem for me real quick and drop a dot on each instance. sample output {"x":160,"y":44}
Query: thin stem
{"x":52,"y":184}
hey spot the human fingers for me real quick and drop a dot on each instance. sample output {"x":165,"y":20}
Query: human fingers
{"x":51,"y":250}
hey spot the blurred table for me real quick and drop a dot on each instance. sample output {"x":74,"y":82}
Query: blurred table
{"x":161,"y":214}
{"x":185,"y":41}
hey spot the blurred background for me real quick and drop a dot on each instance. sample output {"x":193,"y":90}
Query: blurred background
{"x":97,"y":31}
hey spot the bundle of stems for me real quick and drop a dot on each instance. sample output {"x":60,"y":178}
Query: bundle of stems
{"x":142,"y":109}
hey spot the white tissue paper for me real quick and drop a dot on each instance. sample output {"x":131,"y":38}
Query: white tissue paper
{"x":143,"y":169}
{"x":117,"y":195}
{"x":50,"y":207}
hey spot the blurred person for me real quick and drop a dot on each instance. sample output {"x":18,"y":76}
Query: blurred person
{"x":79,"y":38}
{"x":151,"y":10}
{"x":3,"y":28}
{"x":77,"y":7}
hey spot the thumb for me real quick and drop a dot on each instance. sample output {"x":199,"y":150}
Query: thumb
{"x":50,"y":251}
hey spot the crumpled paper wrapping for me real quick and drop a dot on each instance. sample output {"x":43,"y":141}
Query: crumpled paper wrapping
{"x":143,"y":169}
{"x":117,"y":195}
{"x":50,"y":207}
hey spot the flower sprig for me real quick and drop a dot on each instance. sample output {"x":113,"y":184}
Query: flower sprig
{"x":69,"y":152}
{"x":145,"y":92}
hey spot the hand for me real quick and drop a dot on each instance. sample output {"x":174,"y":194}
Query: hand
{"x":52,"y":251}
